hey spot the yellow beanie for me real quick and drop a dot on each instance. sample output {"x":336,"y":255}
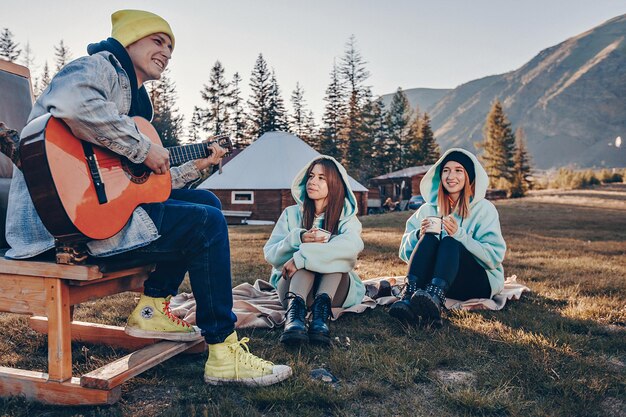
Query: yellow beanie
{"x":131,"y":25}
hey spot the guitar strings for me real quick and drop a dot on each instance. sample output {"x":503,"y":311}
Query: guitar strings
{"x":178,"y":154}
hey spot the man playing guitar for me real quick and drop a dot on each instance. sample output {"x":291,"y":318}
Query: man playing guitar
{"x":96,"y":96}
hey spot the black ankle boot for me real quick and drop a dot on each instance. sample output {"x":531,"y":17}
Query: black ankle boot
{"x":295,"y":325}
{"x":321,"y":312}
{"x":429,"y":302}
{"x":401,"y":309}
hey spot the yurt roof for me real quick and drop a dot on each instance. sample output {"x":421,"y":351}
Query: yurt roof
{"x":269,"y":163}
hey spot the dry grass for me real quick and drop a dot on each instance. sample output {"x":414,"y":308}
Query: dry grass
{"x":559,"y":351}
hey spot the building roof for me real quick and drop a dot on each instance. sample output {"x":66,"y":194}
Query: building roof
{"x":404,"y":173}
{"x":269,"y":163}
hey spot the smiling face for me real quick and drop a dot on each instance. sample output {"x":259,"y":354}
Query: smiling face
{"x":453,"y":178}
{"x":316,"y":185}
{"x":150,"y":56}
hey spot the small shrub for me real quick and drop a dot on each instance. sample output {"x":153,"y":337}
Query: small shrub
{"x":610,"y":176}
{"x":569,"y":179}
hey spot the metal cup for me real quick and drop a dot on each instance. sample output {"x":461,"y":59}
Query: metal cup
{"x":324,"y":233}
{"x":434,"y":225}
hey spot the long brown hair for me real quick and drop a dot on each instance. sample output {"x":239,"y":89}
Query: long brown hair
{"x":462,"y":205}
{"x":335,"y":199}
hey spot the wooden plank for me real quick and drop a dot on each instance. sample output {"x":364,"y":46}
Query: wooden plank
{"x":36,"y":386}
{"x":23,"y":295}
{"x":139,"y":270}
{"x":50,"y":269}
{"x":104,"y":334}
{"x":59,"y":333}
{"x":121,"y":370}
{"x":101,"y":289}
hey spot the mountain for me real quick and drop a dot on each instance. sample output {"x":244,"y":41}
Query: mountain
{"x":422,"y":98}
{"x":570,"y":100}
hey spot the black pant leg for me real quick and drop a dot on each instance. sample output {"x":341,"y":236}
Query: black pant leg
{"x":447,"y":260}
{"x":471,"y":280}
{"x":423,"y":259}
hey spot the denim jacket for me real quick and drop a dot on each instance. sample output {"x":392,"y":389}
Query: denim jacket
{"x":92,"y":95}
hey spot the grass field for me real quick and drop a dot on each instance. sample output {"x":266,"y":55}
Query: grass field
{"x":559,"y":351}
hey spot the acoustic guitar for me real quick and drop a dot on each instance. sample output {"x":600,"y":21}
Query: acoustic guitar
{"x":81,"y":188}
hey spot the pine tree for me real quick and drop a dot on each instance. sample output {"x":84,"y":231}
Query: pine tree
{"x":44,"y":80}
{"x":28,"y":58}
{"x":218,"y":96}
{"x":237,"y":117}
{"x":310,"y":133}
{"x":62,"y":55}
{"x":428,"y":151}
{"x":259,"y":102}
{"x":358,"y":154}
{"x":166,"y":121}
{"x":8,"y":48}
{"x":398,"y":121}
{"x":415,"y":140}
{"x":499,"y":147}
{"x":277,"y":114}
{"x":301,"y":121}
{"x":332,"y":119}
{"x":298,"y":117}
{"x":521,"y":179}
{"x":375,"y":152}
{"x":375,"y":121}
{"x":195,"y":125}
{"x":353,"y":75}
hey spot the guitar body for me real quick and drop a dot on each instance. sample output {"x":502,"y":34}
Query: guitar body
{"x":61,"y":182}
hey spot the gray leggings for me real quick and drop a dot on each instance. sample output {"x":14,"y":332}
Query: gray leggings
{"x":308,"y":284}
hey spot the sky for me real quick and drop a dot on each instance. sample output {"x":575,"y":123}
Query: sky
{"x":407,"y":44}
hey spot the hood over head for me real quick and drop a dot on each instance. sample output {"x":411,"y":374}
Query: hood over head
{"x":430,"y":183}
{"x":298,"y":187}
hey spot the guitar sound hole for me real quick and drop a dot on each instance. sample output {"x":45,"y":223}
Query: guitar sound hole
{"x":137,"y":173}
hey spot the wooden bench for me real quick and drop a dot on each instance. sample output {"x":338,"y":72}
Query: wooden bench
{"x":48,"y":291}
{"x":237,"y":216}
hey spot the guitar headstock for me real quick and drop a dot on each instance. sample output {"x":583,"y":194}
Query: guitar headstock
{"x":224,"y":142}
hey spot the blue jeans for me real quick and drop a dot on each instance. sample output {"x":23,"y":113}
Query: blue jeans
{"x":194,"y":239}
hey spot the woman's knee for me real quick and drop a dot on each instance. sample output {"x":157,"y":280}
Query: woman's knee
{"x":430,"y":238}
{"x":449,"y":243}
{"x":427,"y":241}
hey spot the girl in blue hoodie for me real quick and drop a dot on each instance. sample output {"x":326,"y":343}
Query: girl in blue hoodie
{"x":311,"y":267}
{"x":463,"y":259}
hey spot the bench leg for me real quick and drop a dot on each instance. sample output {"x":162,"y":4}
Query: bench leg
{"x":59,"y":331}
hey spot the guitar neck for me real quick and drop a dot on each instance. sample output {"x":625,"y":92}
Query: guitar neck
{"x":181,"y":154}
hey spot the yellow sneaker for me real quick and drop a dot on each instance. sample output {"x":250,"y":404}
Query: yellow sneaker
{"x":153,"y":319}
{"x":231,"y":362}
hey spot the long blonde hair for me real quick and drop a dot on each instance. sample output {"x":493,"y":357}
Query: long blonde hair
{"x":462,"y":206}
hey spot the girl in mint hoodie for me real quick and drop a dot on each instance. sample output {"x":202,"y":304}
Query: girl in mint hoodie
{"x":311,"y":267}
{"x":463,"y":260}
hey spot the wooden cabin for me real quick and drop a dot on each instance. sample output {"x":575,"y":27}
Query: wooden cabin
{"x":399,"y":185}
